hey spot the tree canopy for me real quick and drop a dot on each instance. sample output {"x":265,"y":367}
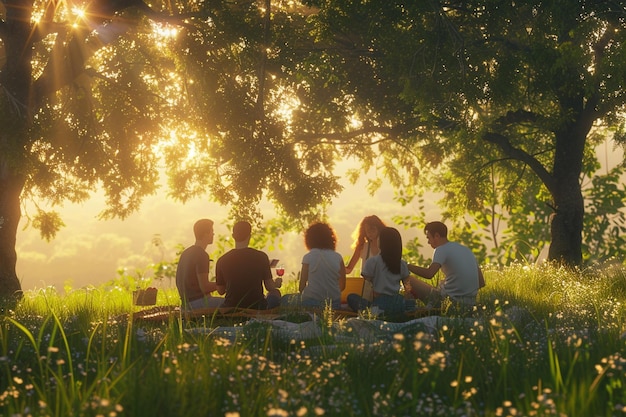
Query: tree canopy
{"x":501,"y":103}
{"x":103,"y":94}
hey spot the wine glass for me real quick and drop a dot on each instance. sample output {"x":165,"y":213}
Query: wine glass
{"x":280,"y":271}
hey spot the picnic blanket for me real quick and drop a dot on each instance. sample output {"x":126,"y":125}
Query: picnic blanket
{"x":165,"y":313}
{"x":316,"y":331}
{"x":353,"y":331}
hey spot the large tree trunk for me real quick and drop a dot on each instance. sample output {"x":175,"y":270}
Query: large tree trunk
{"x":10,"y":191}
{"x":15,"y":105}
{"x":567,"y":221}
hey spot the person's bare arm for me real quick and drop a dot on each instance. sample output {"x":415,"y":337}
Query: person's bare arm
{"x":427,"y":273}
{"x":271,"y":287}
{"x":206,"y":286}
{"x":342,"y":277}
{"x":406,"y":284}
{"x":220,"y":282}
{"x":355,"y":258}
{"x":304,"y":277}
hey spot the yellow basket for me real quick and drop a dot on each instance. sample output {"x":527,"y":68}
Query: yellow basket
{"x":357,"y":285}
{"x":145,"y":297}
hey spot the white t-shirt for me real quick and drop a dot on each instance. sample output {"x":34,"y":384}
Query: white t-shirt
{"x":383,"y":281}
{"x":323,"y":279}
{"x":460,"y":267}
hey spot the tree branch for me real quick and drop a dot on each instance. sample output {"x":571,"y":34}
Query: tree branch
{"x":515,"y":153}
{"x":345,"y":138}
{"x":516,"y":117}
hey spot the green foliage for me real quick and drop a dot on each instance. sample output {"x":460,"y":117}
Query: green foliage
{"x":137,"y":278}
{"x":412,"y":248}
{"x":48,"y":223}
{"x":81,"y":354}
{"x":72,"y":154}
{"x":491,"y":101}
{"x":517,"y":229}
{"x":245,"y":93}
{"x":165,"y":269}
{"x":605,"y":220}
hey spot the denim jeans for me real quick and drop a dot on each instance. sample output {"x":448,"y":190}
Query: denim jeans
{"x":273,"y":300}
{"x":204,"y":302}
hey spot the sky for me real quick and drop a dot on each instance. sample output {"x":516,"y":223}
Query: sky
{"x":88,"y":251}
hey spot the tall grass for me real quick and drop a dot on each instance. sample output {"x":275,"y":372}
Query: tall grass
{"x":544,"y":341}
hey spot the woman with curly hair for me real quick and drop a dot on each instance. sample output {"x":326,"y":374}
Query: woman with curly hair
{"x":323,"y":273}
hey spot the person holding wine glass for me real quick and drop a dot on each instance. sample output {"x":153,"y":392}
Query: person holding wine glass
{"x":280,"y":271}
{"x":242,"y":272}
{"x":323,"y":273}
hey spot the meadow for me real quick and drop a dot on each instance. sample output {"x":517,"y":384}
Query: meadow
{"x":544,"y":341}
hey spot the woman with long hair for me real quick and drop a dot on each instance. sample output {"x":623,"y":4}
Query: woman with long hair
{"x":385,"y":271}
{"x":365,"y":241}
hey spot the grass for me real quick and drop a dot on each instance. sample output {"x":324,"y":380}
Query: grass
{"x":544,"y":341}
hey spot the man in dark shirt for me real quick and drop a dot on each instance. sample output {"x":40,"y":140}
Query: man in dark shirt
{"x":242,"y":272}
{"x":192,"y":272}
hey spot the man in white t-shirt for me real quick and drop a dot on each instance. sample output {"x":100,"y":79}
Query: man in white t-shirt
{"x":463,"y":277}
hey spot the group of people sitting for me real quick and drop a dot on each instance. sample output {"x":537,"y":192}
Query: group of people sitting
{"x":241,"y":273}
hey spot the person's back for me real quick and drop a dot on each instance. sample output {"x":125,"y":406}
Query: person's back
{"x":460,"y":268}
{"x":384,"y":282}
{"x":323,"y":273}
{"x":385,"y":270}
{"x":324,"y":266}
{"x":242,"y":271}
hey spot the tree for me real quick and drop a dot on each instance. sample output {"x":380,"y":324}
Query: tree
{"x":504,"y":91}
{"x":98,"y":94}
{"x":69,"y":122}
